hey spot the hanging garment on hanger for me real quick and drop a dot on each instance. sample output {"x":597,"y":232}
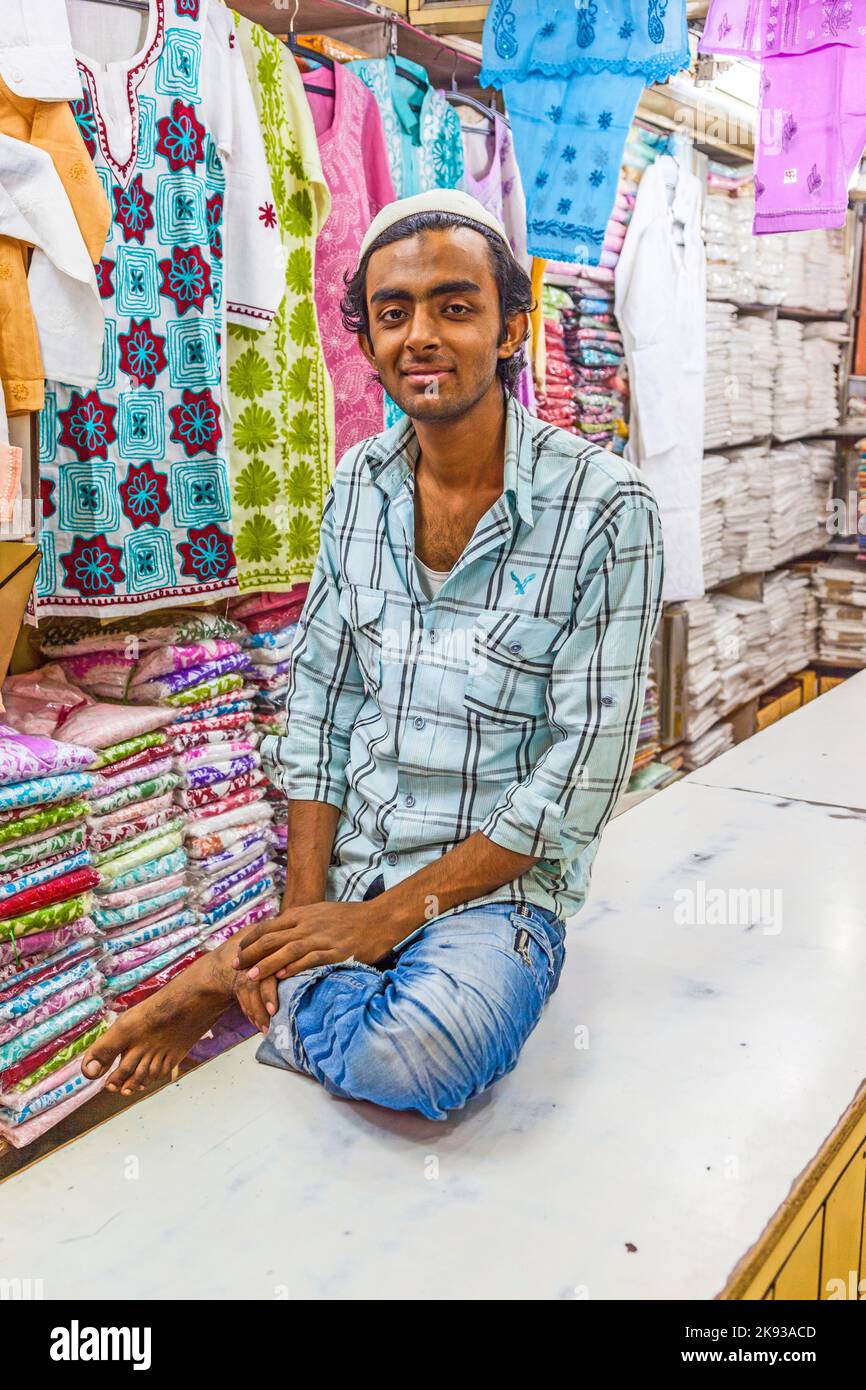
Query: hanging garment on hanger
{"x":51,"y":319}
{"x":137,"y":508}
{"x":572,"y":74}
{"x":422,"y":132}
{"x":48,"y":126}
{"x":661,"y":306}
{"x":811,"y":127}
{"x":766,"y":28}
{"x":355,"y":163}
{"x":491,"y":174}
{"x":36,"y":57}
{"x":280,"y":478}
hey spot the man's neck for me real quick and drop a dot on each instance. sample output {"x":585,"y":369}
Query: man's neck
{"x":466,"y":454}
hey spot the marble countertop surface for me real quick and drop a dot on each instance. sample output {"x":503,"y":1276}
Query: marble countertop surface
{"x":816,"y":754}
{"x":683,"y":1074}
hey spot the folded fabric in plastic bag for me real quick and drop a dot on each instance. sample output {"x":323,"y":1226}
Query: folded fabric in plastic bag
{"x":152,"y":870}
{"x":141,"y":891}
{"x":177,"y":683}
{"x":42,"y":791}
{"x":134,"y":776}
{"x":125,"y":814}
{"x":218,"y":795}
{"x":46,"y":918}
{"x":47,"y":871}
{"x":24,"y":756}
{"x":30,"y":1041}
{"x":43,"y":895}
{"x":49,"y":1009}
{"x":239,"y":920}
{"x":108,"y":917}
{"x":133,"y":843}
{"x":171,"y":658}
{"x":117,"y":835}
{"x":139,"y":935}
{"x":136,"y":956}
{"x":22,"y":948}
{"x":128,"y":748}
{"x":129,"y":796}
{"x":53,"y":1054}
{"x":20,"y":830}
{"x":152,"y":850}
{"x":213,"y":834}
{"x":120,"y":983}
{"x":48,"y":844}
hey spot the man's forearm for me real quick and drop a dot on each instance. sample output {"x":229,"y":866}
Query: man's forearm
{"x":470,"y":870}
{"x":311,"y":830}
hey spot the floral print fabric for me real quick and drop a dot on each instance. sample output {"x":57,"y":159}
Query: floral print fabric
{"x":136,"y":503}
{"x":281,"y":454}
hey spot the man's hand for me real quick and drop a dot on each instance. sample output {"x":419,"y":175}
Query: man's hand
{"x":303,"y":937}
{"x":258,"y":1001}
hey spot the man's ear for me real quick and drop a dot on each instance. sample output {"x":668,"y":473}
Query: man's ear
{"x":516,"y":333}
{"x":367,"y":348}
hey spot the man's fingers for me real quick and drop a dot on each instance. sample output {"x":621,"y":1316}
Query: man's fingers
{"x":265,"y":946}
{"x":308,"y":962}
{"x":287,"y":956}
{"x":273,"y":924}
{"x":249,"y":997}
{"x":270,"y":998}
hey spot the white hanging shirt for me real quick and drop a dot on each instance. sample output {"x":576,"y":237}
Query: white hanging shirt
{"x":661,"y":307}
{"x":35,"y":209}
{"x":36,"y":57}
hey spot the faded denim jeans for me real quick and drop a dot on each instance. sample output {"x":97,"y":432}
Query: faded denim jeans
{"x":434,"y":1023}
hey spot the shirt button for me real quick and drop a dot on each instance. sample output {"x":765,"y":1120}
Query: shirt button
{"x":419,"y":722}
{"x":410,"y":800}
{"x":607,"y":699}
{"x":431,"y":636}
{"x":515,"y":648}
{"x":392,"y":858}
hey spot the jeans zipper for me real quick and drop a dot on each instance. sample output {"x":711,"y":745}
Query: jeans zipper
{"x":521,"y":945}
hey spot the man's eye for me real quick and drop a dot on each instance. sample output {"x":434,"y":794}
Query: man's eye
{"x":458,"y":309}
{"x":391,"y":315}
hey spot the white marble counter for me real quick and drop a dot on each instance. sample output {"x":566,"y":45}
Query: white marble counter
{"x":816,"y":754}
{"x":719,"y":1058}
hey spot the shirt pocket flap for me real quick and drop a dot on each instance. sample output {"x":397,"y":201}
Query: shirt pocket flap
{"x":515,"y":636}
{"x":359,"y":606}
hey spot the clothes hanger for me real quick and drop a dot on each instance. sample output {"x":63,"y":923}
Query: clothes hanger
{"x":309,"y":55}
{"x":458,"y":98}
{"x":392,"y":53}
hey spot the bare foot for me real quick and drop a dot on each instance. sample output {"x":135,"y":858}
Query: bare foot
{"x":154,"y":1036}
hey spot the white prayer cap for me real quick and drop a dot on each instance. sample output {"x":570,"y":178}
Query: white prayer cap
{"x":436,"y":200}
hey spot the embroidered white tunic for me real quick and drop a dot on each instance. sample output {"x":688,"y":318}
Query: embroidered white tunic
{"x":136,"y":509}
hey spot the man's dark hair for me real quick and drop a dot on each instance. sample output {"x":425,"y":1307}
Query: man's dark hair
{"x":512,"y":282}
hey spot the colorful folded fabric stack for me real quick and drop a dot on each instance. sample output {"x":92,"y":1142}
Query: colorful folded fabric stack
{"x":136,"y":835}
{"x":223,"y":786}
{"x":52,"y":989}
{"x":271,"y":624}
{"x":191,"y":668}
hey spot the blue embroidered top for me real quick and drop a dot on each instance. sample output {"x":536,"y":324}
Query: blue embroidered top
{"x":640,"y":38}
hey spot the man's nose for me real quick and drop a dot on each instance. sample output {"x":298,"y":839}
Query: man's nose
{"x":423,"y":331}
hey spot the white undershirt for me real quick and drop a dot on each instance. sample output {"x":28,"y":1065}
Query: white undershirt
{"x":431,"y":581}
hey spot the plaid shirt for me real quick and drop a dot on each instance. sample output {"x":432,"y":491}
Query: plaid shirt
{"x":509,"y":704}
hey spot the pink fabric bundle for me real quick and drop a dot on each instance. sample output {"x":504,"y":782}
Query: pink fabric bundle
{"x":125,"y":897}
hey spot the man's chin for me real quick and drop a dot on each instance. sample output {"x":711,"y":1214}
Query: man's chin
{"x":421,"y":405}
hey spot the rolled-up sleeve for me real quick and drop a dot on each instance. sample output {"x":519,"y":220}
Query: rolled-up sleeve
{"x":594,"y":699}
{"x":326,"y":690}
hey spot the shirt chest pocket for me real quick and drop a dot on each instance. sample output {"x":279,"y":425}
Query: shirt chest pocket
{"x":363,"y":610}
{"x":509,"y":666}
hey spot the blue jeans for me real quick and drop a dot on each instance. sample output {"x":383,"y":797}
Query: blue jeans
{"x":435,"y":1023}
